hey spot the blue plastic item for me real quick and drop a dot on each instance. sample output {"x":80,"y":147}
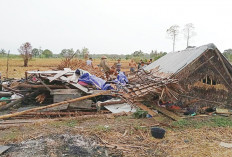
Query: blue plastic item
{"x":94,"y":80}
{"x":121,"y":78}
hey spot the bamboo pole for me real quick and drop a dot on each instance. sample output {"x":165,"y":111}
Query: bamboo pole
{"x":52,"y":105}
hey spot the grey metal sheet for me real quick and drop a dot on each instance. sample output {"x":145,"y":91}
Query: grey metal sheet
{"x":117,"y":108}
{"x":175,"y":61}
{"x":3,"y":149}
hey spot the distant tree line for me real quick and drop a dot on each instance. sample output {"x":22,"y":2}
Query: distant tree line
{"x":27,"y":53}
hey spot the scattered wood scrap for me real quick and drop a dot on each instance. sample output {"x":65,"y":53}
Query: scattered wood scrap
{"x":52,"y":105}
{"x":145,"y":108}
{"x":167,"y":113}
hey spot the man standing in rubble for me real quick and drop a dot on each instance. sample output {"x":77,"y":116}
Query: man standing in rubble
{"x":132,"y":66}
{"x":89,"y":62}
{"x":105,"y":67}
{"x":118,"y":66}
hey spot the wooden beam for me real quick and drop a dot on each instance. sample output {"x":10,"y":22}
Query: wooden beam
{"x":223,"y":64}
{"x":145,"y":108}
{"x":167,"y":113}
{"x":220,"y":74}
{"x":77,"y":85}
{"x":46,"y":86}
{"x":52,"y":105}
{"x":66,"y":70}
{"x":100,"y":104}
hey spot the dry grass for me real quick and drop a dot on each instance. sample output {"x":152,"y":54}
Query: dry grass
{"x":16,"y":69}
{"x":133,"y":136}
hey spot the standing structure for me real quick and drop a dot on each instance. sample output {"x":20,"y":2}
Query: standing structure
{"x":203,"y":72}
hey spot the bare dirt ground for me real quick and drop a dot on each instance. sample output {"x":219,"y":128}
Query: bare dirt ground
{"x":121,"y":136}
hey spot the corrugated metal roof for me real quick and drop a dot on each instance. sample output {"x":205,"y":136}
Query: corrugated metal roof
{"x":175,"y":61}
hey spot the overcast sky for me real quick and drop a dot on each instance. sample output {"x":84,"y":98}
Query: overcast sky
{"x":112,"y":26}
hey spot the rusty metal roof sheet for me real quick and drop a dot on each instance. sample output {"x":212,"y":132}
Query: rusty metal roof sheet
{"x":173,"y":62}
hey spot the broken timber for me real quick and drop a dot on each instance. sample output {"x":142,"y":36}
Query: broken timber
{"x":77,"y":85}
{"x":167,"y":113}
{"x":52,"y":105}
{"x":66,"y":70}
{"x":145,"y":108}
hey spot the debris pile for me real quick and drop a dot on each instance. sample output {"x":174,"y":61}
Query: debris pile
{"x":77,"y":92}
{"x":144,"y":84}
{"x":80,"y":64}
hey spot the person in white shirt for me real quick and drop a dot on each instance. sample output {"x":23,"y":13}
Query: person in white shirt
{"x":89,"y":62}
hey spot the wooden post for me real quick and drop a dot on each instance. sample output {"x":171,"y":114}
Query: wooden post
{"x":7,"y":64}
{"x":52,"y":105}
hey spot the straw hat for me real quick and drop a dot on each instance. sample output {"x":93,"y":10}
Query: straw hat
{"x":104,"y":57}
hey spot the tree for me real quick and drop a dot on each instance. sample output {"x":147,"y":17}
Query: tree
{"x":2,"y":52}
{"x":35,"y":52}
{"x":25,"y":51}
{"x":189,"y":32}
{"x":47,"y":53}
{"x":228,"y":54}
{"x":173,"y":31}
{"x":156,"y":55}
{"x":40,"y":51}
{"x":85,"y":52}
{"x":67,"y":53}
{"x":138,"y":53}
{"x":128,"y":57}
{"x":153,"y":53}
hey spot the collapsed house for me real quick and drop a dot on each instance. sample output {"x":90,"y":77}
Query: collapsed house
{"x":203,"y":72}
{"x":77,"y":92}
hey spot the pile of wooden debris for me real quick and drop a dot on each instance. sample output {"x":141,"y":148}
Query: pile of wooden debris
{"x":75,"y":63}
{"x":59,"y":93}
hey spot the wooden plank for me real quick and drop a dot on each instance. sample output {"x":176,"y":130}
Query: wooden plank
{"x":77,"y":85}
{"x":3,"y":149}
{"x":145,"y":108}
{"x":167,"y":113}
{"x":66,"y":70}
